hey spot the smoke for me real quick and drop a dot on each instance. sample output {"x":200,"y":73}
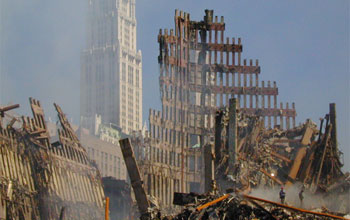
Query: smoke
{"x":41,"y":44}
{"x":311,"y":201}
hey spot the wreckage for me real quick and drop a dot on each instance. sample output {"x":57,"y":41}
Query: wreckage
{"x":44,"y":179}
{"x":196,"y":144}
{"x":40,"y":179}
{"x":241,"y":206}
{"x":247,"y":158}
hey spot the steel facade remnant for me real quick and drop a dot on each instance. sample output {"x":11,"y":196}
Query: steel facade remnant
{"x":47,"y":181}
{"x":199,"y":72}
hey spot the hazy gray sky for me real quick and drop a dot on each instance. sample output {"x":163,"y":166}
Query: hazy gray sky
{"x":302,"y":45}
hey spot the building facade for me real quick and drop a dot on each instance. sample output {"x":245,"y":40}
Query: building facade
{"x":111,"y":67}
{"x":104,"y":150}
{"x":101,"y":145}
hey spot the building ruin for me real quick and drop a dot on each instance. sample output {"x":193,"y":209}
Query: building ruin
{"x":41,"y":179}
{"x":199,"y":73}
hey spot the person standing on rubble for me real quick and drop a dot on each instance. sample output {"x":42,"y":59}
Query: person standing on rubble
{"x":301,"y":196}
{"x":282,"y":195}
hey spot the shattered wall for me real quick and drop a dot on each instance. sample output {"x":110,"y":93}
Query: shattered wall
{"x":44,"y":180}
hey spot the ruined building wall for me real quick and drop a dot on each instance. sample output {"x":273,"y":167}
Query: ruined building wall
{"x":200,"y":72}
{"x":43,"y":180}
{"x":160,"y":166}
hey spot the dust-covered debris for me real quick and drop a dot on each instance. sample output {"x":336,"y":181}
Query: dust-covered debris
{"x":44,"y":180}
{"x":305,"y":160}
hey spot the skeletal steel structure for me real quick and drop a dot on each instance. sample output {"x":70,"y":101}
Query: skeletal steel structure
{"x":44,"y":180}
{"x":200,"y":72}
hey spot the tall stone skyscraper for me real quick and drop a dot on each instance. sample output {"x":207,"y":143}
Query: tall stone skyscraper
{"x":111,"y":67}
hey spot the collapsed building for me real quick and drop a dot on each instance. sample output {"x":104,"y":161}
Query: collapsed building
{"x":248,"y":160}
{"x":249,"y":156}
{"x":200,"y":71}
{"x":254,"y":143}
{"x":41,"y":179}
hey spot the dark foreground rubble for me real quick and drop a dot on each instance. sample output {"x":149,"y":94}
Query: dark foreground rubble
{"x":232,"y":206}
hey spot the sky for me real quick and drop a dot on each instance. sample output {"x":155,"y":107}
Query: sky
{"x":302,"y":45}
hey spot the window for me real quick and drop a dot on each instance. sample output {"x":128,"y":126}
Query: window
{"x":172,"y":158}
{"x":166,"y":156}
{"x":199,"y":163}
{"x":126,"y":34}
{"x":191,"y":163}
{"x":123,"y":72}
{"x":130,"y":75}
{"x":137,"y":79}
{"x":118,"y":167}
{"x":157,"y":155}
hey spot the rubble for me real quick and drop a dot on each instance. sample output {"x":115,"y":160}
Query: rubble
{"x":249,"y":157}
{"x":302,"y":157}
{"x":44,"y":180}
{"x":239,"y":206}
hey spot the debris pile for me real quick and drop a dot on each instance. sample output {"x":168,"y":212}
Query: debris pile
{"x":249,"y":156}
{"x":232,"y":206}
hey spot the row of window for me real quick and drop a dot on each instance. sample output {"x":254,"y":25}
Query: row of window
{"x":130,"y":124}
{"x":130,"y":75}
{"x":168,"y":135}
{"x":109,"y":165}
{"x":168,"y":157}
